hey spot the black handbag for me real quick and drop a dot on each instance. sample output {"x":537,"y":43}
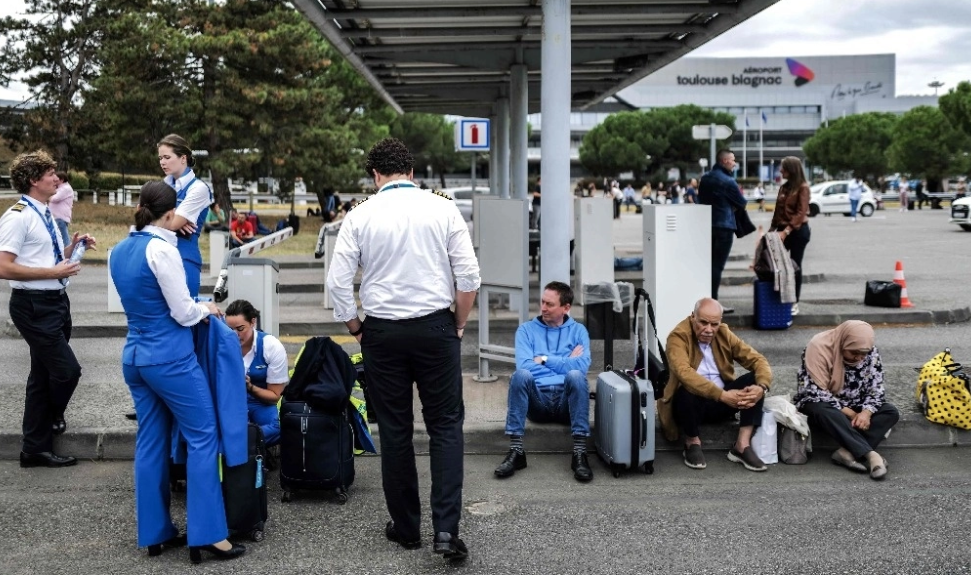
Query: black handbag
{"x":882,"y":294}
{"x":743,"y":224}
{"x":763,"y":262}
{"x":657,"y":367}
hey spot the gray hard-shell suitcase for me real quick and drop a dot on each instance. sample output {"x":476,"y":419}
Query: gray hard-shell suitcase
{"x":624,"y":423}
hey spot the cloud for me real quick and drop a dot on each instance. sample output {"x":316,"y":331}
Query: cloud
{"x":931,"y":40}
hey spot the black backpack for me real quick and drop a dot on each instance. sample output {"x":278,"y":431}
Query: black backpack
{"x":323,"y":376}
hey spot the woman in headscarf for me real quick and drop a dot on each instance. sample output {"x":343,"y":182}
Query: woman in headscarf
{"x":841,"y":389}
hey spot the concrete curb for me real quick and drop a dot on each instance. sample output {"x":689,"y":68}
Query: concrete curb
{"x":111,"y":444}
{"x":740,"y":320}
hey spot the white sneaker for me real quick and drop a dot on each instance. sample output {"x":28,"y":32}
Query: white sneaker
{"x":795,"y":309}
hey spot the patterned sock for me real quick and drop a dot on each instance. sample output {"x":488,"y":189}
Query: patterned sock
{"x":516,"y":443}
{"x":579,"y":444}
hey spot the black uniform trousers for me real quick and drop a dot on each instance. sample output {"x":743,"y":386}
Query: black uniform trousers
{"x":856,"y":441}
{"x":398,"y":354}
{"x":44,"y":320}
{"x":691,"y":410}
{"x":796,"y":243}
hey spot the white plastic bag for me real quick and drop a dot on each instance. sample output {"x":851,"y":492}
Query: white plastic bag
{"x":765,"y":441}
{"x":786,"y":413}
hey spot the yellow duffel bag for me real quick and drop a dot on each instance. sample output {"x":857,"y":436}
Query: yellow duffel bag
{"x":944,"y":391}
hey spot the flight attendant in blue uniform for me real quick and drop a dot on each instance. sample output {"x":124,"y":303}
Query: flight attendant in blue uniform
{"x":265,"y":360}
{"x":167,"y":383}
{"x":192,"y":207}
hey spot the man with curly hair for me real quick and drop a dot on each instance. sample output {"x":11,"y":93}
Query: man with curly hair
{"x":417,"y":259}
{"x":35,"y":259}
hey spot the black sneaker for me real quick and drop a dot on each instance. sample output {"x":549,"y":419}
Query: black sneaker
{"x":581,"y":468}
{"x":694,"y":457}
{"x":451,"y":547}
{"x":514,"y":461}
{"x":747,"y":458}
{"x":392,"y":534}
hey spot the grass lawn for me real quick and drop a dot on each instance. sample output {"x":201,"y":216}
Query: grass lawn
{"x":110,"y":225}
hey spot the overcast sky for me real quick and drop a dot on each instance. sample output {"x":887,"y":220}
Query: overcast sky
{"x":931,"y":38}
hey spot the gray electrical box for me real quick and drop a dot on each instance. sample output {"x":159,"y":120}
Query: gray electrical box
{"x":256,"y":281}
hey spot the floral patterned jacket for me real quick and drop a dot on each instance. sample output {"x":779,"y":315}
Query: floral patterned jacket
{"x":862,"y":386}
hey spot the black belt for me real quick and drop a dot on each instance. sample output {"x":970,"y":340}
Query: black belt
{"x":39,"y":292}
{"x":432,"y":315}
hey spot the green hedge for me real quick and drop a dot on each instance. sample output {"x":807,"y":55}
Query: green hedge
{"x":113,"y":181}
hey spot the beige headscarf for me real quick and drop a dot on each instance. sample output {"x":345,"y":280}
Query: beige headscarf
{"x":824,"y":354}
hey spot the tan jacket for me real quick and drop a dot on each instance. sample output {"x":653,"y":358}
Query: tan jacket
{"x":684,"y":356}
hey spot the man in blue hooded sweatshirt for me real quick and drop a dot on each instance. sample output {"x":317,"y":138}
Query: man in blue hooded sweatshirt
{"x":550,"y":382}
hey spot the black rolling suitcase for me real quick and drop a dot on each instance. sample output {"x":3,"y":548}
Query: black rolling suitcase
{"x":244,"y":490}
{"x":316,"y":450}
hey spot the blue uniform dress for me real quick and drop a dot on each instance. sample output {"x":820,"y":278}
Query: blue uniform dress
{"x":189,"y":245}
{"x":266,"y":416}
{"x":166,"y":382}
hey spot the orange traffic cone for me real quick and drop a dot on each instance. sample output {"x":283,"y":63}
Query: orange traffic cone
{"x":898,"y":278}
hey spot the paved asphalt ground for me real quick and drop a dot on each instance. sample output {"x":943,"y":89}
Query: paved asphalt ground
{"x":807,"y":519}
{"x":812,"y":519}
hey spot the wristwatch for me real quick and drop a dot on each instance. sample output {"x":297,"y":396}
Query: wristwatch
{"x":542,"y":359}
{"x":765,"y":390}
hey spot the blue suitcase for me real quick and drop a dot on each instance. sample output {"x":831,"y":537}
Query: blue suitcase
{"x":770,"y":312}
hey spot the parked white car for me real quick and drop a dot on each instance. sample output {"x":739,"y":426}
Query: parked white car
{"x":463,"y":198}
{"x":834,"y":198}
{"x":961,"y":213}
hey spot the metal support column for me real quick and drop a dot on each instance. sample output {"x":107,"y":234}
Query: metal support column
{"x":556,"y":219}
{"x":493,"y":153}
{"x":518,"y":108}
{"x":501,"y":150}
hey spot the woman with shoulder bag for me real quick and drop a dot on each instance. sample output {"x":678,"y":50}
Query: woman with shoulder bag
{"x":791,"y":216}
{"x":840,"y":387}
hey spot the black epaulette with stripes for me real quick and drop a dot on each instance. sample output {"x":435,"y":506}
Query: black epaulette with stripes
{"x":19,"y":206}
{"x":442,"y":194}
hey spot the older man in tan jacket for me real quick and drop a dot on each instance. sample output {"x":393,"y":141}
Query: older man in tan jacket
{"x":701,"y":355}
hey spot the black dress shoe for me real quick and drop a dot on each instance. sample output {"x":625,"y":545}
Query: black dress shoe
{"x":46,"y":459}
{"x":59,"y":426}
{"x":132,"y":416}
{"x":728,"y":309}
{"x":451,"y":547}
{"x":195,"y":553}
{"x":581,"y":468}
{"x":177,"y":541}
{"x":392,"y":534}
{"x":514,"y":461}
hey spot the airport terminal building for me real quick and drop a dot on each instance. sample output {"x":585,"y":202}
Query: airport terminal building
{"x":790,"y":97}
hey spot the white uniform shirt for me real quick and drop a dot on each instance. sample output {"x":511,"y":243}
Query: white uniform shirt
{"x":708,"y":369}
{"x":166,"y":263}
{"x":197,"y":198}
{"x":415,"y":249}
{"x":276,"y":360}
{"x":24,"y":234}
{"x":856,"y":190}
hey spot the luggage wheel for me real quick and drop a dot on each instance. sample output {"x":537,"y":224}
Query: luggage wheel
{"x":286,"y":497}
{"x":256,"y":535}
{"x":616,"y":469}
{"x":342,"y":496}
{"x":649,"y":467}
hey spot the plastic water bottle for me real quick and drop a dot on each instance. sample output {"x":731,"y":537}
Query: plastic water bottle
{"x":78,"y":252}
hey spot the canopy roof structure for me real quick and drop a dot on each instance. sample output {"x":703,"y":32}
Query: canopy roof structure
{"x":454,"y":56}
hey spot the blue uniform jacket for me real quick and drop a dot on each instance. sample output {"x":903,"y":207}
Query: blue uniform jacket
{"x":219,"y":354}
{"x":719,"y":190}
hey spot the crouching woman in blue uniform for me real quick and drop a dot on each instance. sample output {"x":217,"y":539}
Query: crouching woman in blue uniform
{"x":265,"y":360}
{"x":167,"y":383}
